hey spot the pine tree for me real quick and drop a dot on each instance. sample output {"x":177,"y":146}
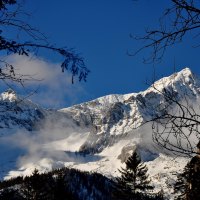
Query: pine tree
{"x":133,"y":182}
{"x":187,"y":186}
{"x":61,"y":189}
{"x":38,"y":186}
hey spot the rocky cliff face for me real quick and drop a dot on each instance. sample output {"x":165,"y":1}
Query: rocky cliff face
{"x":108,"y":119}
{"x":112,"y":117}
{"x":18,"y":113}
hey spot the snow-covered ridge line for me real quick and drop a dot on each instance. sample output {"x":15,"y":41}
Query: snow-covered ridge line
{"x":114,"y":115}
{"x":178,"y":79}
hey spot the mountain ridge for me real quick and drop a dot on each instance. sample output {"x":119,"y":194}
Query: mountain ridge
{"x":131,"y":110}
{"x":97,"y":135}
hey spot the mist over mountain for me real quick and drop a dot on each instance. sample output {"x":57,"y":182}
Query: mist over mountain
{"x":95,"y":136}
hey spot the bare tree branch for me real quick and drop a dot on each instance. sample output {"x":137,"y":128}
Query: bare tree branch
{"x":175,"y":123}
{"x":178,"y":20}
{"x":14,"y":19}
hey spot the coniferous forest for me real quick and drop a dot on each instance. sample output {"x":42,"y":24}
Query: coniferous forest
{"x":72,"y":184}
{"x":59,"y":184}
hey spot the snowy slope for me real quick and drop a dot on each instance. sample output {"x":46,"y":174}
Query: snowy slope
{"x":105,"y":131}
{"x":114,"y":116}
{"x":18,"y":112}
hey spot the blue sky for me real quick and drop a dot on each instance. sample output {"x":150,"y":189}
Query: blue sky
{"x":99,"y":30}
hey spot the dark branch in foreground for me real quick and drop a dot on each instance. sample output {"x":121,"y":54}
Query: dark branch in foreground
{"x":12,"y":18}
{"x":176,"y":123}
{"x":178,"y":20}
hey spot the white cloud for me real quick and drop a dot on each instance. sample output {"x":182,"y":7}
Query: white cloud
{"x":46,"y":149}
{"x":55,"y":87}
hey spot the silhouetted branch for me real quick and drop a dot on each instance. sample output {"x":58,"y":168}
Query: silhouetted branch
{"x":181,"y":18}
{"x":14,"y":19}
{"x":176,"y":123}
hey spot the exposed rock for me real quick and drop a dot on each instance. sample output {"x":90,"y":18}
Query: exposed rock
{"x":127,"y":151}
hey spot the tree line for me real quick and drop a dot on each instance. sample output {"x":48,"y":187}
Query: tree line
{"x":72,"y":184}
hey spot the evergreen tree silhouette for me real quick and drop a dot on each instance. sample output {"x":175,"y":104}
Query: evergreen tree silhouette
{"x":62,"y":190}
{"x":38,"y":187}
{"x":133,"y":182}
{"x":187,"y":186}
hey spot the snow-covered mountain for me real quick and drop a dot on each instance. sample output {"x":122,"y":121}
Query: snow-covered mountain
{"x":105,"y":131}
{"x":114,"y":116}
{"x":19,"y":112}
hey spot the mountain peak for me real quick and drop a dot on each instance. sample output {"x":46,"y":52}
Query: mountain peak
{"x":185,"y":73}
{"x":176,"y":80}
